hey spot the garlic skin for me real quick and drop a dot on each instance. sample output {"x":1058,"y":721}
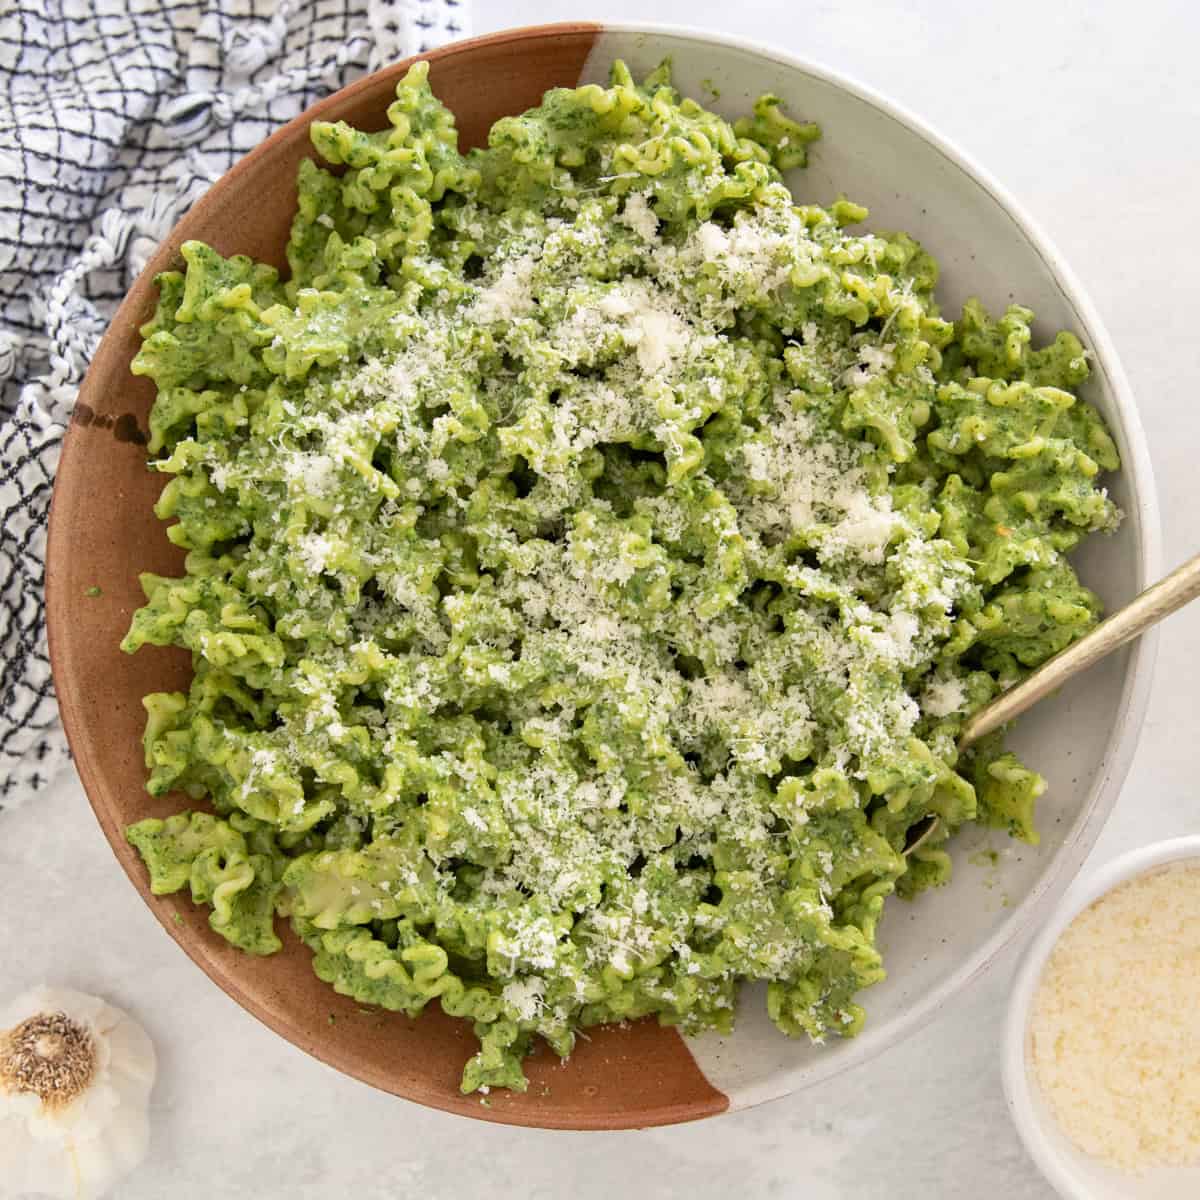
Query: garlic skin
{"x":75,"y":1080}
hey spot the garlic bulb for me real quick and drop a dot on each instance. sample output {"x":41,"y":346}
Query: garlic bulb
{"x":75,"y":1078}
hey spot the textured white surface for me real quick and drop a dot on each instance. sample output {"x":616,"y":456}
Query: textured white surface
{"x":1086,"y":111}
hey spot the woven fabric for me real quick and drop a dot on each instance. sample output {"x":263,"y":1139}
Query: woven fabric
{"x":115,"y":115}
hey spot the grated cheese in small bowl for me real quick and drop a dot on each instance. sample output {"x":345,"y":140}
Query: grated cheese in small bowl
{"x":1102,"y":1065}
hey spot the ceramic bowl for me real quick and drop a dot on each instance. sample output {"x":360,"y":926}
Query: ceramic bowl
{"x":103,"y":533}
{"x":1076,"y":1175}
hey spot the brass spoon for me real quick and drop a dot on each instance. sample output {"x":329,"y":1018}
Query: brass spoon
{"x":1157,"y":601}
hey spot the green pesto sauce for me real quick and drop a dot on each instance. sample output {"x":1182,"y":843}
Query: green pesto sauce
{"x":593,"y":556}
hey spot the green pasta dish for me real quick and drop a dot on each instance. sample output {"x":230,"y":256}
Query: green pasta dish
{"x":592,"y":557}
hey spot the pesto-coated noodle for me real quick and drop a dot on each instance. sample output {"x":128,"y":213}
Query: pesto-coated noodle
{"x":592,"y":557}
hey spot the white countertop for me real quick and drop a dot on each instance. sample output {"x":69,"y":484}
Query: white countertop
{"x":1088,"y":112}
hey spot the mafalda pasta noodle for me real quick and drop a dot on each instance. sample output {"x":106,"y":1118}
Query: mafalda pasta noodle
{"x":592,"y":558}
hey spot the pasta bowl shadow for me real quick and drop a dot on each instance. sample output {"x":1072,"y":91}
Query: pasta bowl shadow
{"x":103,"y":533}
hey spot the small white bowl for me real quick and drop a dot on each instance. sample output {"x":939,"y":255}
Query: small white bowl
{"x":1074,"y":1174}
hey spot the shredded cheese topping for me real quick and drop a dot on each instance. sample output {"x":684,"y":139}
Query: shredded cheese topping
{"x":1115,"y":1029}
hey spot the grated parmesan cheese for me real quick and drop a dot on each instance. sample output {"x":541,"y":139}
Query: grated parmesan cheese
{"x":525,"y":996}
{"x":315,"y":549}
{"x":811,"y":482}
{"x":872,"y":361}
{"x":639,"y":216}
{"x":1115,"y":1030}
{"x":312,"y":474}
{"x":943,"y":697}
{"x":509,"y":296}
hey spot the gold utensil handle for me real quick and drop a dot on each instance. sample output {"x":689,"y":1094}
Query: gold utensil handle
{"x":1156,"y":602}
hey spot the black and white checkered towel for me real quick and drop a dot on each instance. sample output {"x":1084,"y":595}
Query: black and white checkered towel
{"x":114,"y":116}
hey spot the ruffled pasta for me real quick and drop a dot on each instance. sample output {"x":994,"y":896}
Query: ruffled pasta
{"x":592,"y":558}
{"x":238,"y":875}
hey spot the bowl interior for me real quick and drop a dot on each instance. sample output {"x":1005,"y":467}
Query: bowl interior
{"x":1080,"y":740}
{"x":103,"y":533}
